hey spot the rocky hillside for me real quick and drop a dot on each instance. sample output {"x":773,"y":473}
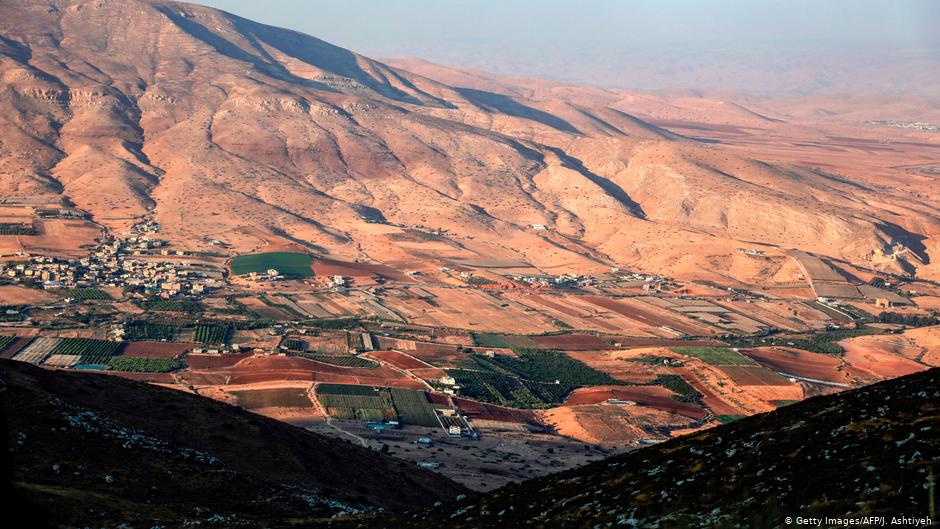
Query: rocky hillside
{"x":224,"y":128}
{"x":871,"y":451}
{"x":99,"y":451}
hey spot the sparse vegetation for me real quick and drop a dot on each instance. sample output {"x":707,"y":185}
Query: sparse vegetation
{"x":716,"y":356}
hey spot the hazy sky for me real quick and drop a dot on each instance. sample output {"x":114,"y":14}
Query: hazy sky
{"x":542,"y":37}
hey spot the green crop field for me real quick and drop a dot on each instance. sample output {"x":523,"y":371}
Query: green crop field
{"x":286,"y":263}
{"x":543,"y":365}
{"x":171,"y":305}
{"x":142,"y":365}
{"x":87,"y":293}
{"x":91,"y":351}
{"x":505,"y":390}
{"x":363,"y":403}
{"x":5,"y":341}
{"x":339,"y":360}
{"x":716,"y":356}
{"x":413,"y":407}
{"x":144,"y":330}
{"x":212,"y":334}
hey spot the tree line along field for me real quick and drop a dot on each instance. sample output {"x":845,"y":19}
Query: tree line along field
{"x":286,"y":263}
{"x":370,"y":403}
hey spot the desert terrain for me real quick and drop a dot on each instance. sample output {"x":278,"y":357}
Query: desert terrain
{"x":492,"y":278}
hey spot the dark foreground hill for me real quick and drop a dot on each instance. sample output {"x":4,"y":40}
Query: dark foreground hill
{"x":98,"y":451}
{"x":872,"y":451}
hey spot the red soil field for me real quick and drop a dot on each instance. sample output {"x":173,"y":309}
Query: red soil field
{"x":439,"y":399}
{"x":201,"y":361}
{"x":331,"y":267}
{"x":650,"y":396}
{"x":156,"y":349}
{"x":754,"y":376}
{"x":800,"y":363}
{"x":400,"y":360}
{"x":572,"y":342}
{"x":715,"y":403}
{"x":492,"y":412}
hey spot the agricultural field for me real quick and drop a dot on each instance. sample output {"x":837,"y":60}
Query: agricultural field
{"x":212,"y":334}
{"x":545,"y":365}
{"x":145,"y":330}
{"x":286,"y":263}
{"x":136,"y":364}
{"x":273,"y":398}
{"x":716,"y":356}
{"x":339,"y":360}
{"x":295,"y":345}
{"x":87,"y":294}
{"x":505,"y":390}
{"x":37,"y":351}
{"x":572,"y":342}
{"x":364,"y":403}
{"x":91,"y":351}
{"x":144,"y":349}
{"x":5,"y":341}
{"x":171,"y":305}
{"x":413,"y":407}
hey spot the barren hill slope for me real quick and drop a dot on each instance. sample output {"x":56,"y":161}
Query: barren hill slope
{"x":96,"y":450}
{"x":218,"y":125}
{"x":873,"y":451}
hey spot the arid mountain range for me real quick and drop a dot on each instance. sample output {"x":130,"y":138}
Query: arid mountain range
{"x":254,"y":136}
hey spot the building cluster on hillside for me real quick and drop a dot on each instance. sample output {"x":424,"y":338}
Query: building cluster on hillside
{"x":114,"y":264}
{"x":917,"y":125}
{"x":559,"y":281}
